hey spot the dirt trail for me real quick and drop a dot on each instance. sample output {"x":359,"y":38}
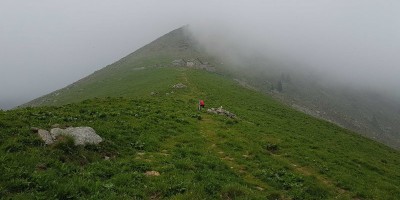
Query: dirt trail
{"x":206,"y":125}
{"x":207,"y":128}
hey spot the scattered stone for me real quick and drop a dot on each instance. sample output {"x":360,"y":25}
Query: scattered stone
{"x":179,"y":86}
{"x":194,"y":63}
{"x":81,"y":135}
{"x":178,"y":63}
{"x":152,"y":173}
{"x":259,"y":188}
{"x":108,"y":185}
{"x":46,"y":136}
{"x":106,"y":158}
{"x":228,"y":158}
{"x":156,"y":195}
{"x":190,"y":63}
{"x":221,"y":111}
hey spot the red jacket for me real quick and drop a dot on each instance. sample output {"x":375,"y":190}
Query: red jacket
{"x":201,"y":102}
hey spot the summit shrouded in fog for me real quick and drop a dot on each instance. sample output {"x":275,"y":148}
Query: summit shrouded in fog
{"x":46,"y":45}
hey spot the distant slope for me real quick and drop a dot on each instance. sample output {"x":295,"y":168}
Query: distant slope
{"x":269,"y":152}
{"x":364,"y":111}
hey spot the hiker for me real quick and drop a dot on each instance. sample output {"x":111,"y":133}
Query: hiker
{"x":201,"y":104}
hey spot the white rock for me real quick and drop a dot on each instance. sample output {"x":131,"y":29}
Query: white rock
{"x":179,"y":86}
{"x":81,"y":135}
{"x":46,"y":136}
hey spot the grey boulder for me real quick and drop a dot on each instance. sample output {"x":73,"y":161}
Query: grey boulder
{"x":81,"y":135}
{"x":46,"y":136}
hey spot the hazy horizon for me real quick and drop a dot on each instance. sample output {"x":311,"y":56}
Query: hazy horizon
{"x":47,"y":45}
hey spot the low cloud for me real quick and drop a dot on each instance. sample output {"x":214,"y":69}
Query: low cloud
{"x":46,"y":45}
{"x":346,"y":42}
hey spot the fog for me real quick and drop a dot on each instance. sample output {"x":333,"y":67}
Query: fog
{"x":46,"y":45}
{"x":353,"y":43}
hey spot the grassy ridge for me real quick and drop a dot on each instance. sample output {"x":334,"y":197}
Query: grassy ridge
{"x":366,"y":113}
{"x":270,"y":151}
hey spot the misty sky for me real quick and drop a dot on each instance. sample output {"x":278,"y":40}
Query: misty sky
{"x":46,"y":44}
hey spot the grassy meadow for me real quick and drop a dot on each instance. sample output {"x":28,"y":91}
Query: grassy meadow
{"x":269,"y":151}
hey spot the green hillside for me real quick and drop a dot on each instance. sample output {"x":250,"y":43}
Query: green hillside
{"x":367,"y":113}
{"x":270,"y":151}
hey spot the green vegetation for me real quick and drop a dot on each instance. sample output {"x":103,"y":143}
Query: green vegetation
{"x":367,"y":113}
{"x":269,"y":152}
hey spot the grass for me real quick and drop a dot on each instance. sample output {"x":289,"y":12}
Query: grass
{"x":269,"y":152}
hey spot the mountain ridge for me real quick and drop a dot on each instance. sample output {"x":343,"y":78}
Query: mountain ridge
{"x":158,"y":145}
{"x":361,"y":112}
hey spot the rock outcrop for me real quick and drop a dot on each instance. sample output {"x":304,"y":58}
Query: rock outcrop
{"x":81,"y":135}
{"x":194,"y":63}
{"x":221,"y":111}
{"x":179,"y":63}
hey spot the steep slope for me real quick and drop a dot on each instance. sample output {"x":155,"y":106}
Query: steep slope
{"x":369,"y":114}
{"x":269,"y":152}
{"x":122,"y":78}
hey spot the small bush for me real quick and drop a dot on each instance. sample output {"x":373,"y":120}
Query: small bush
{"x":138,"y":145}
{"x":102,"y":116}
{"x":66,"y":144}
{"x":197,"y":116}
{"x":212,"y":188}
{"x":18,"y":185}
{"x":231,"y":122}
{"x":14,"y":147}
{"x":273,"y":148}
{"x":274,"y":196}
{"x":182,"y":121}
{"x":232,"y":192}
{"x":178,"y":188}
{"x":31,"y":142}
